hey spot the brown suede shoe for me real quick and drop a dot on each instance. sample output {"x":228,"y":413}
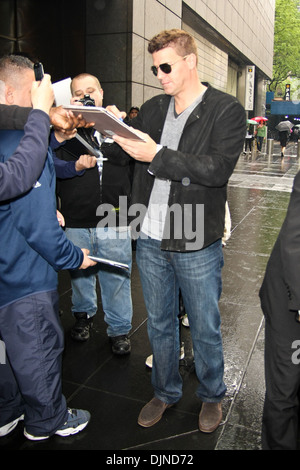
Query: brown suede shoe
{"x":152,"y":412}
{"x":210,"y":416}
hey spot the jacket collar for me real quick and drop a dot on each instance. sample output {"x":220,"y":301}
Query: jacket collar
{"x":165,"y":100}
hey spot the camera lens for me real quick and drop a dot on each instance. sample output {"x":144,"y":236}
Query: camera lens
{"x":87,"y":101}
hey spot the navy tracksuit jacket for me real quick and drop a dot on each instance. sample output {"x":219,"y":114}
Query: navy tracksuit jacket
{"x":32,"y":248}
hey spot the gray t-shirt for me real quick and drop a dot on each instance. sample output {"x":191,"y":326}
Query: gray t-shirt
{"x":154,"y":222}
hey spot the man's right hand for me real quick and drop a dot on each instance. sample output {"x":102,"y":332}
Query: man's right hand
{"x":42,"y":94}
{"x":85,"y":162}
{"x":87,"y":262}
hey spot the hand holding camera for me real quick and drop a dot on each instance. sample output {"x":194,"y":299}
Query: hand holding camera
{"x":85,"y":101}
{"x":42,"y":95}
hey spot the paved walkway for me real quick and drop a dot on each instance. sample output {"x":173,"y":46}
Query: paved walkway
{"x":115,"y":389}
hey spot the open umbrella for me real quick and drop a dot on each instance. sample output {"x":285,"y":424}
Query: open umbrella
{"x":251,"y":121}
{"x":284,"y":126}
{"x":260,"y":118}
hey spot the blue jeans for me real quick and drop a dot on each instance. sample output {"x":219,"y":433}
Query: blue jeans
{"x":260,"y":141}
{"x":198,"y":275}
{"x":115,"y":284}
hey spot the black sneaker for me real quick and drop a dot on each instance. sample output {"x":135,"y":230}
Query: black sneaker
{"x":120,"y":344}
{"x":81,"y":330}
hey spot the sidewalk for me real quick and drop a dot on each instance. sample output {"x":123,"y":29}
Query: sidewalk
{"x":114,"y":389}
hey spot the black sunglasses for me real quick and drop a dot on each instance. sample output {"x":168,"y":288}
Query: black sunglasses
{"x":166,"y":68}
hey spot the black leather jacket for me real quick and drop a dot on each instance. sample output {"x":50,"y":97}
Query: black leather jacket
{"x":209,"y":148}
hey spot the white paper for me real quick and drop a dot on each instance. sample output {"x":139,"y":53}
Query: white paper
{"x":105,"y":122}
{"x":62,"y":92}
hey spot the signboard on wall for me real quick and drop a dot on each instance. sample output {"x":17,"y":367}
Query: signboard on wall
{"x":249,"y":88}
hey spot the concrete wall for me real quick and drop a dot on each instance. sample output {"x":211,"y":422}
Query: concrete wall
{"x":109,"y":39}
{"x":149,"y":18}
{"x":247,"y":24}
{"x":230,"y":35}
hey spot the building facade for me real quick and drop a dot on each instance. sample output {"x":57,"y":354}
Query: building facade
{"x":108,"y":38}
{"x":231,"y":34}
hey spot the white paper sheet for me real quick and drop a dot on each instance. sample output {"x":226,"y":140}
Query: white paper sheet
{"x":62,"y":92}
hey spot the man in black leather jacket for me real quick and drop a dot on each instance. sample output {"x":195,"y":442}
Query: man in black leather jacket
{"x":193,"y":136}
{"x":280,"y":302}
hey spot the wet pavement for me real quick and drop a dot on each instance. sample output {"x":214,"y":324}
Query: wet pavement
{"x":114,"y":389}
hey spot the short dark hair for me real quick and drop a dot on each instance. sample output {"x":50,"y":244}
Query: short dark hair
{"x":180,"y":40}
{"x":12,"y":63}
{"x":134,"y":107}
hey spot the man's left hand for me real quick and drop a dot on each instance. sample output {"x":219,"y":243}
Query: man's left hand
{"x":64,"y":120}
{"x":141,"y":151}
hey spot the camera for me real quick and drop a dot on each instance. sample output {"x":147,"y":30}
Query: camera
{"x":87,"y":101}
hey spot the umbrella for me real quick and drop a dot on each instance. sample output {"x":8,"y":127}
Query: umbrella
{"x":284,"y":126}
{"x":260,"y":118}
{"x":251,"y":121}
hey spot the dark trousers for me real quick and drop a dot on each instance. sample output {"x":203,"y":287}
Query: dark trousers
{"x":30,"y":379}
{"x":248,"y":143}
{"x":282,"y":371}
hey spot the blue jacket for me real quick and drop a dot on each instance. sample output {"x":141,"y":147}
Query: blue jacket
{"x":33,"y":245}
{"x":22,"y":169}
